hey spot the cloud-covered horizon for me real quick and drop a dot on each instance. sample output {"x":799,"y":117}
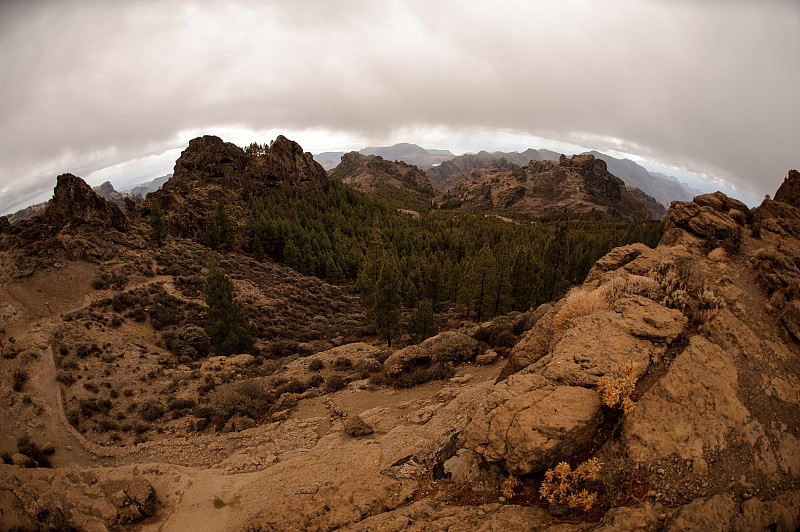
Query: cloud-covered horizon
{"x":709,"y":87}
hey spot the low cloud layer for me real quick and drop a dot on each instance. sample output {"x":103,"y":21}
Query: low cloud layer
{"x":709,"y":86}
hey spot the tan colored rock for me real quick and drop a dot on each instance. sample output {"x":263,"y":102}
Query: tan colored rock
{"x":486,"y":358}
{"x":781,"y":513}
{"x":636,"y":330}
{"x":20,"y":460}
{"x":693,"y":406}
{"x":642,"y":518}
{"x":616,"y":259}
{"x":712,"y":514}
{"x":732,"y":335}
{"x":241,"y":361}
{"x":530,"y":424}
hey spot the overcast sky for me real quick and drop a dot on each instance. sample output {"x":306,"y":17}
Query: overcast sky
{"x":117,"y":88}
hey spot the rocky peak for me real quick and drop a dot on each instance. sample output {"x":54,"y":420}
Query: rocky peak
{"x":105,"y":190}
{"x":210,"y":160}
{"x":74,"y":202}
{"x":789,"y":191}
{"x":286,"y":162}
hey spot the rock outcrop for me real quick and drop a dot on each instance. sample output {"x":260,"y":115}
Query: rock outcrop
{"x":369,"y":172}
{"x":210,"y":171}
{"x":709,"y":333}
{"x":74,"y":202}
{"x":580,"y":185}
{"x":789,"y":191}
{"x":657,"y":210}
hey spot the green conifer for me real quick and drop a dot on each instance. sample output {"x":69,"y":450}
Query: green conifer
{"x":388,"y":301}
{"x":423,"y":322}
{"x":228,"y":326}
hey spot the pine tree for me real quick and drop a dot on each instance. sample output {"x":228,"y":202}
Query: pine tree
{"x":388,"y":301}
{"x":422,"y":324}
{"x":219,"y":232}
{"x":158,"y":230}
{"x":228,"y":326}
{"x":370,"y":271}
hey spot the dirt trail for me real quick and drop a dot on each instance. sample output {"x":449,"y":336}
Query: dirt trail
{"x":43,"y":300}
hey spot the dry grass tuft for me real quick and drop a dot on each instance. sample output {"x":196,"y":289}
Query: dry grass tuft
{"x":576,"y":304}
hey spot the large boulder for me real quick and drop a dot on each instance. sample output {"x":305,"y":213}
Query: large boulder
{"x":635,"y":331}
{"x":701,"y":220}
{"x":529,"y":424}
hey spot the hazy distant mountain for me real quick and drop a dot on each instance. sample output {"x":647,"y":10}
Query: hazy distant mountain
{"x":657,"y":210}
{"x":329,"y":159}
{"x":523,"y":158}
{"x":409,"y":153}
{"x":106,"y":190}
{"x":142,"y":189}
{"x":663,"y":188}
{"x":404,"y":151}
{"x":447,"y":174}
{"x":27,"y":212}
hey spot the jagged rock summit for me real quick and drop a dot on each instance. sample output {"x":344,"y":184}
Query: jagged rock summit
{"x":74,"y":202}
{"x":579,"y":185}
{"x":210,"y":171}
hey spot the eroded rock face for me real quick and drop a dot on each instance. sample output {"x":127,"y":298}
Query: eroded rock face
{"x":580,"y":184}
{"x":529,"y":424}
{"x":74,"y":202}
{"x":694,"y":406}
{"x":210,"y":171}
{"x":636,"y":331}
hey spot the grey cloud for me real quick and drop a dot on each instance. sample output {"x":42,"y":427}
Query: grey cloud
{"x":708,"y":85}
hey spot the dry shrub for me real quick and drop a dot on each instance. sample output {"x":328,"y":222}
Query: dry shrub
{"x":248,"y":397}
{"x":509,"y":487}
{"x":616,"y":389}
{"x":451,"y":348}
{"x":576,"y":304}
{"x":718,"y":255}
{"x":639,"y":285}
{"x":562,"y":485}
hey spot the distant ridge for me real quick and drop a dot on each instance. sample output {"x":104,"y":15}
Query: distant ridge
{"x":403,"y":151}
{"x":580,"y":185}
{"x":665,"y":189}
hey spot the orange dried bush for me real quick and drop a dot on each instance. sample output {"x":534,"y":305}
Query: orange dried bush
{"x":563,"y":485}
{"x":616,"y":389}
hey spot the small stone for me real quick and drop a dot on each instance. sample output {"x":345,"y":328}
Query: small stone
{"x":355,"y":426}
{"x":486,"y":358}
{"x":20,"y":460}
